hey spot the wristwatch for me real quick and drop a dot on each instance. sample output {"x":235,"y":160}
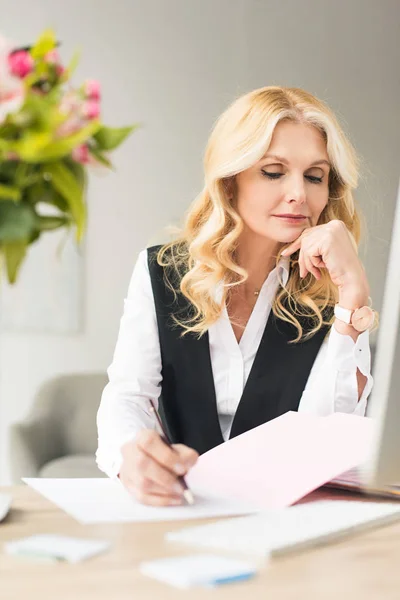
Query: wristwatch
{"x":360,"y":319}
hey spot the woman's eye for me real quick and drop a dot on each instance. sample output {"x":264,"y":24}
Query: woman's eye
{"x":311,"y":178}
{"x":314,"y":179}
{"x":271,"y":175}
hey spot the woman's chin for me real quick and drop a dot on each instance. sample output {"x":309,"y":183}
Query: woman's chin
{"x":290,"y":234}
{"x":289,"y":237}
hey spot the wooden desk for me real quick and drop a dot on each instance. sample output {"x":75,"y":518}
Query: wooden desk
{"x":363,"y":566}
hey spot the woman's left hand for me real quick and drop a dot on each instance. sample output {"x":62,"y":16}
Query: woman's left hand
{"x":332,"y":247}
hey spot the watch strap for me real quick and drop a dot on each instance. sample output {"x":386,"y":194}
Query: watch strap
{"x":343,"y":314}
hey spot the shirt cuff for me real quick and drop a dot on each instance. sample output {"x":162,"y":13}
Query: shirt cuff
{"x":110,"y":460}
{"x":345,"y":354}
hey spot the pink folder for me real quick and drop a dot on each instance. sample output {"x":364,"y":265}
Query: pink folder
{"x":276,"y":464}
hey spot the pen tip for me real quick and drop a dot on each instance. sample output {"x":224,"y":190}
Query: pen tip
{"x":187,"y":494}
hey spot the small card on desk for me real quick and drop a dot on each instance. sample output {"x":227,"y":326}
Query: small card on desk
{"x":56,"y":547}
{"x":198,"y":570}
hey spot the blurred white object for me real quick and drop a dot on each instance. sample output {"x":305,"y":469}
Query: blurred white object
{"x":57,"y":547}
{"x":5,"y":503}
{"x":277,"y":532}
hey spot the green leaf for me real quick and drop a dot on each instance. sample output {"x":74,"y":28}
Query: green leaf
{"x":46,"y":42}
{"x":65,"y":182}
{"x":17,"y":221}
{"x":31,"y":145}
{"x":100,"y":158}
{"x":40,"y":147}
{"x":71,"y":67}
{"x":34,"y":236}
{"x":77,"y":169}
{"x":48,"y":223}
{"x":4,"y":146}
{"x":8,"y":192}
{"x":14,"y":253}
{"x":61,"y":148}
{"x":26,"y":175}
{"x":44,"y":192}
{"x":108,"y":138}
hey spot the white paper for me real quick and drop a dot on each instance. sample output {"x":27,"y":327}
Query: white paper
{"x":56,"y":547}
{"x":106,"y":501}
{"x":283,"y":460}
{"x":198,"y":569}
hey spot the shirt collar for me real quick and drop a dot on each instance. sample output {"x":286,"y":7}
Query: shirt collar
{"x":283,"y":269}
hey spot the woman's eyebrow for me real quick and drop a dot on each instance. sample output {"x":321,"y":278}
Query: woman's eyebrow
{"x":283,"y":160}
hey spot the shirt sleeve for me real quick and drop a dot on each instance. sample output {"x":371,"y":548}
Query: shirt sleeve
{"x":134,"y":374}
{"x":332,"y":384}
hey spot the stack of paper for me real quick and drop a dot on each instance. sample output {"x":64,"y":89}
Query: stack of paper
{"x":276,"y":464}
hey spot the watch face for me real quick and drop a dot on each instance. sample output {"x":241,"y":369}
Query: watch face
{"x":362,"y":318}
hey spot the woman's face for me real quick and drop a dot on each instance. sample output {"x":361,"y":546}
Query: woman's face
{"x":286,"y":191}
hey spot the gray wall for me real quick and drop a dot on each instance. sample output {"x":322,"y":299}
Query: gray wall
{"x":348,"y":53}
{"x":174,"y":65}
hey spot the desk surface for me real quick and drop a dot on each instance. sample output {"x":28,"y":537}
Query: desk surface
{"x":364,"y":566}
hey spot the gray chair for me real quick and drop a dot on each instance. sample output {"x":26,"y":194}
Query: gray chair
{"x":59,"y":436}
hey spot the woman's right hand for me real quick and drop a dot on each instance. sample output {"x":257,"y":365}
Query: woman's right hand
{"x":150,"y":469}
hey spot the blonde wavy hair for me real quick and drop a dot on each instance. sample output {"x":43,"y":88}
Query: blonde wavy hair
{"x":203,"y":254}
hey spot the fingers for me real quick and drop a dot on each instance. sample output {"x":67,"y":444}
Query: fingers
{"x":308,"y":260}
{"x":292,"y":248}
{"x":302,"y":265}
{"x":152,"y":445}
{"x":187,"y":455}
{"x":155,"y":500}
{"x":309,"y":264}
{"x":147,"y":492}
{"x":150,"y":469}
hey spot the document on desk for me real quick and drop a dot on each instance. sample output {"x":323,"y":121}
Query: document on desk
{"x":105,"y":501}
{"x":271,"y":466}
{"x":281,"y":461}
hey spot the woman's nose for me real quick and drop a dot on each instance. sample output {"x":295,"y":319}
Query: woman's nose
{"x":296,"y":192}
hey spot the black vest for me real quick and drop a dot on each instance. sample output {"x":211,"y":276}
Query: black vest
{"x":188,"y":402}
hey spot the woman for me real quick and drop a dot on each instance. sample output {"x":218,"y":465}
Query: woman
{"x":258,"y":308}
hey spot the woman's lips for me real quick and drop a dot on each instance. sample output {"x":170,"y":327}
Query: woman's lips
{"x":292,"y":219}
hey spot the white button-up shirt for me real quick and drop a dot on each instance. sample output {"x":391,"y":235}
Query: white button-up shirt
{"x":135,"y":372}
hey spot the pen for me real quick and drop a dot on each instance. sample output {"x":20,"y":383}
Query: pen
{"x":187,"y":494}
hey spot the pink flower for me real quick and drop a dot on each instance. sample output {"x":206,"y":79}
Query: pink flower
{"x":69,"y":127}
{"x":60,"y":70}
{"x":91,"y":89}
{"x":10,"y":101}
{"x":91,"y":109}
{"x":52,"y":57}
{"x":12,"y":93}
{"x":70,"y":103}
{"x":20,"y":63}
{"x":81,"y":154}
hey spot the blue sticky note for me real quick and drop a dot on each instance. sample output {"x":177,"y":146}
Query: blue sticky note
{"x":198,"y":570}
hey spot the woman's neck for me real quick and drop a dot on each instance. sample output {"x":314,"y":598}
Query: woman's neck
{"x":258,"y":257}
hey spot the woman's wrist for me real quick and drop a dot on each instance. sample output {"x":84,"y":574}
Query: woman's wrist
{"x":355,"y":293}
{"x":352,"y":296}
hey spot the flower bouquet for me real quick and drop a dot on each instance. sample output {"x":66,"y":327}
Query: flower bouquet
{"x":50,"y":132}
